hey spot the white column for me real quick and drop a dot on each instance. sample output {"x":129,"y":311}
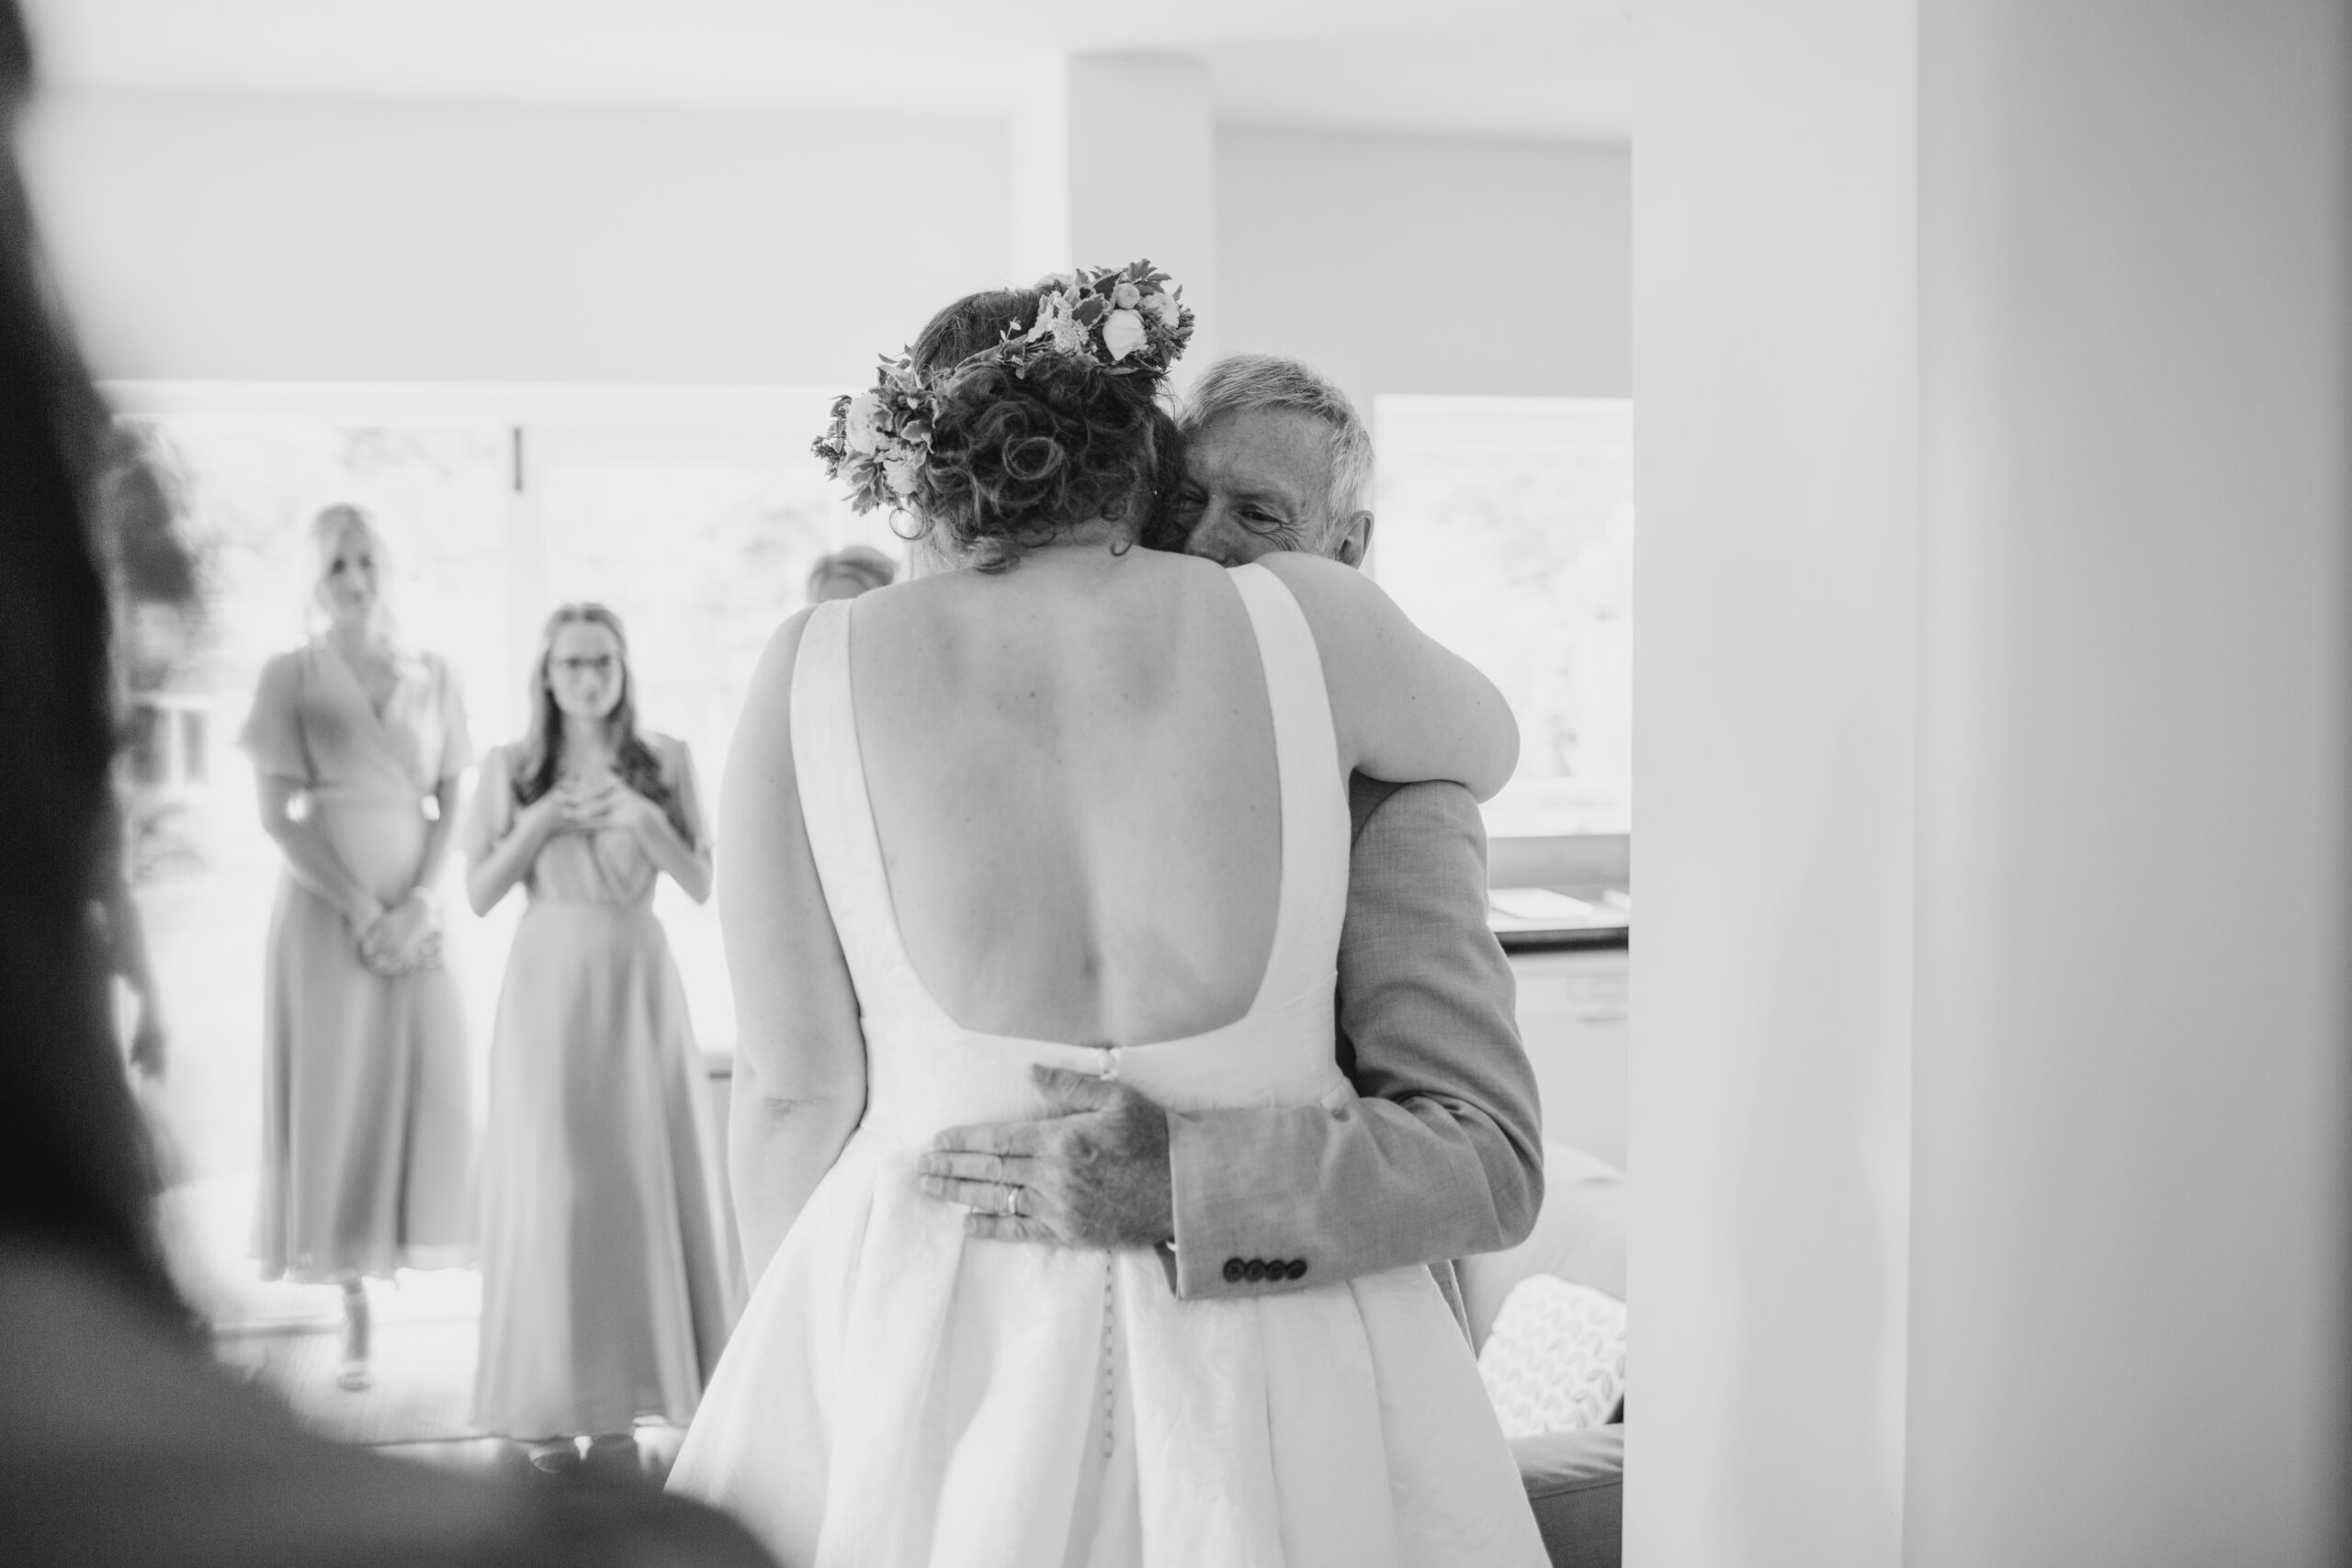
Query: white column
{"x":1994,"y":361}
{"x":1112,"y":159}
{"x":2129,"y":1222}
{"x":1774,"y":384}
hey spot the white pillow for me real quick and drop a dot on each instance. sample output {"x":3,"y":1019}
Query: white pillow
{"x":1554,"y":1361}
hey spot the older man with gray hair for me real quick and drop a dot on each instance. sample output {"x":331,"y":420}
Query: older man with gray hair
{"x":1275,"y":458}
{"x":1441,"y":1156}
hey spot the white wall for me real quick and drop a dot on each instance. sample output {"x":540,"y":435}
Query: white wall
{"x":1142,"y":175}
{"x":1775,"y":379}
{"x":1427,"y":264}
{"x":213,"y":237}
{"x":1994,"y":363}
{"x":2131,"y":1221}
{"x":208,"y":237}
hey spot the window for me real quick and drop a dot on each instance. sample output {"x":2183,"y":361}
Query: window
{"x":203,"y":871}
{"x":1506,"y":531}
{"x":696,"y":516}
{"x":701,"y":537}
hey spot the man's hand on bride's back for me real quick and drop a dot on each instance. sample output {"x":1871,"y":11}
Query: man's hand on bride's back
{"x":1092,"y":1172}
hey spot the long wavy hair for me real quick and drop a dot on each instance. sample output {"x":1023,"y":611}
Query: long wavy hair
{"x":633,"y":759}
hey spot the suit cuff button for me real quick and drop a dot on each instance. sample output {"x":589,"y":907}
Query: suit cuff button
{"x":1234,"y":1269}
{"x":1255,"y":1271}
{"x":1298,"y":1268}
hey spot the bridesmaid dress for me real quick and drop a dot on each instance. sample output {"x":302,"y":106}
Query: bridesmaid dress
{"x":607,"y":1293}
{"x":367,"y":1121}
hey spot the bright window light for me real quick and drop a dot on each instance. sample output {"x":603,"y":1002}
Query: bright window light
{"x":1506,"y":531}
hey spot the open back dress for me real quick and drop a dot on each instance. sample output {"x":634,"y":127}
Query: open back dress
{"x":898,"y":1393}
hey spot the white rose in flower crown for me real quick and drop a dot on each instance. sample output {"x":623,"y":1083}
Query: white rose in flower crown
{"x":1127,"y":297}
{"x":1122,"y":333}
{"x":1164,"y":306}
{"x":862,"y":423}
{"x":899,"y":473}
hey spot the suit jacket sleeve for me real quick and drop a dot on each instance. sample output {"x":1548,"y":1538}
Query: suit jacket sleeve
{"x":1442,"y":1155}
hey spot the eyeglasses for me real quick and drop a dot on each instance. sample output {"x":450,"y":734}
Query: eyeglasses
{"x":591,"y":664}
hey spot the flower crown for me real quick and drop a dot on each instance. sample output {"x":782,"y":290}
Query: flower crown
{"x":1129,"y":319}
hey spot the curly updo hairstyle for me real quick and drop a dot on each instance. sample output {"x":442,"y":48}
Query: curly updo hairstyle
{"x":1019,"y":455}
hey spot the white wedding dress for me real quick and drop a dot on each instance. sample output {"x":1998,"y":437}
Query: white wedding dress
{"x":898,"y":1394}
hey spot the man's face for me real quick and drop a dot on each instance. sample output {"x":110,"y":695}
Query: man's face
{"x":1258,"y":481}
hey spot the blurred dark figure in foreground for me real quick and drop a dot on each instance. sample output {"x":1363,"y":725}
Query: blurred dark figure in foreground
{"x":119,"y":1442}
{"x":152,"y":579}
{"x":122,"y":939}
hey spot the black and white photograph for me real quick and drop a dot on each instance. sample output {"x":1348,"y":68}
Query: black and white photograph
{"x":804,"y":785}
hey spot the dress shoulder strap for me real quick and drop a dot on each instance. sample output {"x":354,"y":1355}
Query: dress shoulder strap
{"x":1314,"y":798}
{"x":838,"y":816}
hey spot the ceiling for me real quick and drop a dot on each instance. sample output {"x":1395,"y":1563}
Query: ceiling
{"x":1554,"y":69}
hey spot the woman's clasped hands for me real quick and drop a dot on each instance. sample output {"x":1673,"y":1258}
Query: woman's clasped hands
{"x":405,"y":938}
{"x":603,"y":804}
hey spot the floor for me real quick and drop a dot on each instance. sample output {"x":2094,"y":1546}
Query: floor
{"x":422,"y":1389}
{"x":657,"y":1449}
{"x":419,"y":1403}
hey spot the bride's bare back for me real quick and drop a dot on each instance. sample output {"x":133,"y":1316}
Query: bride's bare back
{"x":1071,"y":766}
{"x":1071,"y":771}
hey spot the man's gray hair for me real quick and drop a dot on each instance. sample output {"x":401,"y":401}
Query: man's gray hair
{"x":1241,"y":382}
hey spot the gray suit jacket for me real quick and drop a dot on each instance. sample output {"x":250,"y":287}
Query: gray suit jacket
{"x":1443,"y":1156}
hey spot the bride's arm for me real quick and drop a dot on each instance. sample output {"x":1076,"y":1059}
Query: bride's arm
{"x":1406,"y":707}
{"x":799,"y":1058}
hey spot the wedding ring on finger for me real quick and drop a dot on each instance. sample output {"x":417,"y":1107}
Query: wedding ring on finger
{"x":1012,"y":1202}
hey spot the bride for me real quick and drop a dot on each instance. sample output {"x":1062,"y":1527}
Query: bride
{"x":1071,"y":805}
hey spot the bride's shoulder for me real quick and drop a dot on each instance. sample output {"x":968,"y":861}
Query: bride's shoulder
{"x":1337,"y":600}
{"x":1317,"y":573}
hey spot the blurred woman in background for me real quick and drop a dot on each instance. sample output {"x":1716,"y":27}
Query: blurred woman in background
{"x":604,"y":1290}
{"x":368,"y":1130}
{"x":850,"y":571}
